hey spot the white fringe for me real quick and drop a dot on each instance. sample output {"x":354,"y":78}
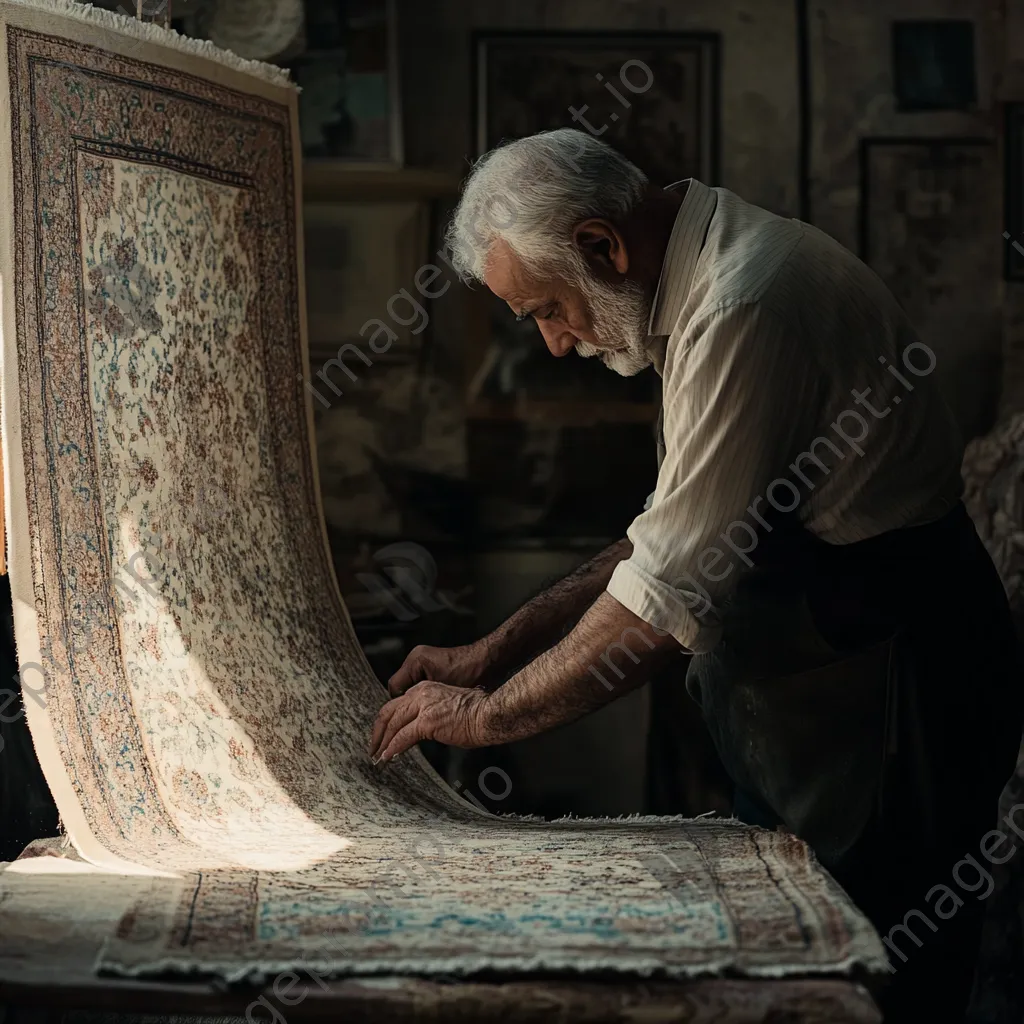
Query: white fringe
{"x":145,"y":31}
{"x":868,"y":959}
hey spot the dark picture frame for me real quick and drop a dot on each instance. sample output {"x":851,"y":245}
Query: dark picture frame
{"x":935,"y":144}
{"x":350,"y":106}
{"x":655,"y":98}
{"x":928,"y":225}
{"x":527,"y":82}
{"x":934,"y":65}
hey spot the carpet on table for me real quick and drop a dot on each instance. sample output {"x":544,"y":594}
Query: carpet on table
{"x":206,"y":706}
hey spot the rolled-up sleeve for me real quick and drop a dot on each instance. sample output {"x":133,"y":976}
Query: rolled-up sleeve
{"x":739,"y":400}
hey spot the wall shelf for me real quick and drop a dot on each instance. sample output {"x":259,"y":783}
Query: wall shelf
{"x":327,"y":181}
{"x":562,"y":413}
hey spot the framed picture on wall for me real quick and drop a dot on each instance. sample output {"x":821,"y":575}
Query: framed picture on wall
{"x":652,"y":96}
{"x":933,"y":64}
{"x":361,"y":259}
{"x":930,"y":226}
{"x":349,"y":106}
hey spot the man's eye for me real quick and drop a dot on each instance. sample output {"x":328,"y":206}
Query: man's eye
{"x":548,"y":314}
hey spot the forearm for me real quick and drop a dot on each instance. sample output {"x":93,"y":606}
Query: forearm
{"x":579,"y":674}
{"x":543,"y":621}
{"x":561,"y":685}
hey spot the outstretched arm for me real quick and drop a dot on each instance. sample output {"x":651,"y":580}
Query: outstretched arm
{"x":544,"y":620}
{"x":539,"y":624}
{"x":609,"y":653}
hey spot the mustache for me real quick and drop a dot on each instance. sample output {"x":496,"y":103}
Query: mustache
{"x":626,"y":361}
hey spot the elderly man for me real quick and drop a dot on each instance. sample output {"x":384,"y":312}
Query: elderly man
{"x":851,"y":645}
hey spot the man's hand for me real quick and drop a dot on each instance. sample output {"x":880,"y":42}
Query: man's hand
{"x":538,"y":625}
{"x":457,"y":666}
{"x":558,"y":687}
{"x":430,"y":710}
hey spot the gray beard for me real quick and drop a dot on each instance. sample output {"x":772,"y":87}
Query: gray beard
{"x":620,"y":315}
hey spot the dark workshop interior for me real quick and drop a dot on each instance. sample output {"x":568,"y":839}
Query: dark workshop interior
{"x":463,"y":470}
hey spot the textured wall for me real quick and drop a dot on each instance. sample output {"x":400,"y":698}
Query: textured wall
{"x":759,"y":137}
{"x":852,"y":94}
{"x":1010,"y":88}
{"x":852,"y":97}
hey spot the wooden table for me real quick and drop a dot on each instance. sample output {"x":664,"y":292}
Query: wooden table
{"x":389,"y":999}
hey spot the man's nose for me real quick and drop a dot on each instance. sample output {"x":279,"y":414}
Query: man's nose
{"x":559,"y":341}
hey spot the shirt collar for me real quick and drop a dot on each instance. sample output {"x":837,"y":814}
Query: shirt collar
{"x":681,"y":255}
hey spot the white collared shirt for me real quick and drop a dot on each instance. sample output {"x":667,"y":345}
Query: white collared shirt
{"x":791,"y":378}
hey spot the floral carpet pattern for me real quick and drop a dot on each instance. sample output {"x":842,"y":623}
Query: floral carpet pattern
{"x":206,"y":705}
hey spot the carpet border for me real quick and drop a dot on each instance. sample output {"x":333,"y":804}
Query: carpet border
{"x":106,"y":32}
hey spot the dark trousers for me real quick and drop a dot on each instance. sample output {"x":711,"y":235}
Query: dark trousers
{"x":887,"y":742}
{"x":933,"y":971}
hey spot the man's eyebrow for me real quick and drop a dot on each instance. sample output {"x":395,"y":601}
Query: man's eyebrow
{"x":527,"y":313}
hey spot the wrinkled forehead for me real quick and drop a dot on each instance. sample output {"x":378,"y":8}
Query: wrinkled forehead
{"x":505,"y":274}
{"x":509,"y":279}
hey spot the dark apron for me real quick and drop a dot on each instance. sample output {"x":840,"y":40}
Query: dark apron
{"x":861,"y":687}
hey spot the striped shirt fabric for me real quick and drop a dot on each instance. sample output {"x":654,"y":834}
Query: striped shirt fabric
{"x":791,"y":381}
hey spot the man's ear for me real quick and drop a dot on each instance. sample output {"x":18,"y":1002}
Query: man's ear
{"x":602,"y":245}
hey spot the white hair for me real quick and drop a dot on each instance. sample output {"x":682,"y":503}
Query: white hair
{"x":532,"y":192}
